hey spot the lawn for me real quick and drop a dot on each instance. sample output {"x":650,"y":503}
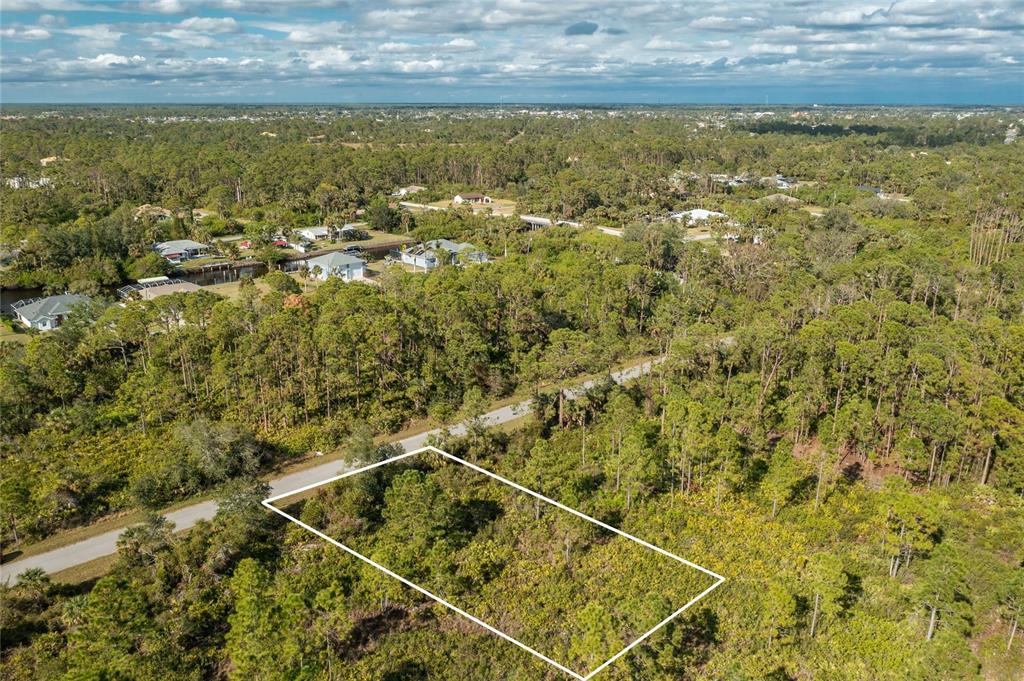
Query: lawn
{"x":11,"y":331}
{"x":503,"y":207}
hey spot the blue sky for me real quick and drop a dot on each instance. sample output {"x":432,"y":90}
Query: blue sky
{"x":557,"y":51}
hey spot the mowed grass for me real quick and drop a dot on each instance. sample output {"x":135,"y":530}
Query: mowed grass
{"x":12,"y":331}
{"x":497,"y":206}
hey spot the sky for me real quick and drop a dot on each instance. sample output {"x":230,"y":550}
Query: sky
{"x":512,"y":51}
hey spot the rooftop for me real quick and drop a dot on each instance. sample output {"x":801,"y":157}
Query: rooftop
{"x":332,"y":260}
{"x":38,"y":309}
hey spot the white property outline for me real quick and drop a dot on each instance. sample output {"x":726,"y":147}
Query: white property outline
{"x":269,"y":504}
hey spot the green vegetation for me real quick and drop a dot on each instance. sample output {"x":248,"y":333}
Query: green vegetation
{"x":837,"y":424}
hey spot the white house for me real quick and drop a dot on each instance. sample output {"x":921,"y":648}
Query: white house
{"x":696,"y":215}
{"x":47,"y":313}
{"x":432,"y":253}
{"x":180,"y":250}
{"x":408,"y":191}
{"x":472,"y":198}
{"x":314,"y":233}
{"x":346,"y":267}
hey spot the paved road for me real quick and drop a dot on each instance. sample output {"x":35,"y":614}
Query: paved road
{"x":106,"y":543}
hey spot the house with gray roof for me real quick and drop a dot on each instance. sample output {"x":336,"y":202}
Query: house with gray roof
{"x":346,"y":267}
{"x":180,"y":250}
{"x":430,"y":254}
{"x":47,"y":313}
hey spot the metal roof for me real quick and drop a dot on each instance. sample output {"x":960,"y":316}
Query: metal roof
{"x":38,"y":309}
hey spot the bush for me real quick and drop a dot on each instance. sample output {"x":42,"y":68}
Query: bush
{"x":354,"y":235}
{"x":279,"y":281}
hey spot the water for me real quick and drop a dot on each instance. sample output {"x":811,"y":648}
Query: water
{"x":224,"y":275}
{"x":9,"y":296}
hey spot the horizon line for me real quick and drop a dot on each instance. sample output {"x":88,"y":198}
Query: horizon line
{"x":918,"y":105}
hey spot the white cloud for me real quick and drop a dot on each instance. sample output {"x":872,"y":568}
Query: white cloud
{"x":29,"y":33}
{"x":420,"y":65}
{"x":518,"y":43}
{"x":663,"y":44}
{"x":45,"y":6}
{"x":211,"y":25}
{"x":717,"y":23}
{"x":164,"y":6}
{"x":330,"y":58}
{"x":460,"y":44}
{"x":51,"y":20}
{"x":765,"y":48}
{"x":307,"y":33}
{"x":108,"y":59}
{"x":95,"y":36}
{"x":397,"y":47}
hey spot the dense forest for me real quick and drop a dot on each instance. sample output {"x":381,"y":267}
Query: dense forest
{"x":835,"y":422}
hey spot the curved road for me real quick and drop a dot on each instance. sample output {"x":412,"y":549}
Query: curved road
{"x":106,"y":543}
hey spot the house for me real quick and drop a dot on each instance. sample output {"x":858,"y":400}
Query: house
{"x":172,"y":286}
{"x":346,"y":267}
{"x":475,"y":198}
{"x":314,"y":233}
{"x":535,"y":222}
{"x":779,"y":181}
{"x":402,"y":192}
{"x":180,"y":250}
{"x":697,"y":215}
{"x":157,"y":213}
{"x":432,"y":253}
{"x":47,"y":313}
{"x":154,"y":287}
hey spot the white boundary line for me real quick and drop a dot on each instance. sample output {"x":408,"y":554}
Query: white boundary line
{"x":269,"y":504}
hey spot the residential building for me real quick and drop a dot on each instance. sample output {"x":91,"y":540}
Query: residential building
{"x":314,"y":233}
{"x":779,"y":181}
{"x":408,"y":191}
{"x":154,"y":287}
{"x":47,"y":313}
{"x":697,"y":215}
{"x":180,"y":250}
{"x":474,"y":198}
{"x":346,"y":267}
{"x":172,"y":286}
{"x":157,"y":213}
{"x":430,"y":254}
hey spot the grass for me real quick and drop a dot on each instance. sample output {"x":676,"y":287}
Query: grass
{"x":86,"y":572}
{"x":198,"y":263}
{"x":11,"y":331}
{"x":233,"y":289}
{"x":497,"y":206}
{"x":380,"y":267}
